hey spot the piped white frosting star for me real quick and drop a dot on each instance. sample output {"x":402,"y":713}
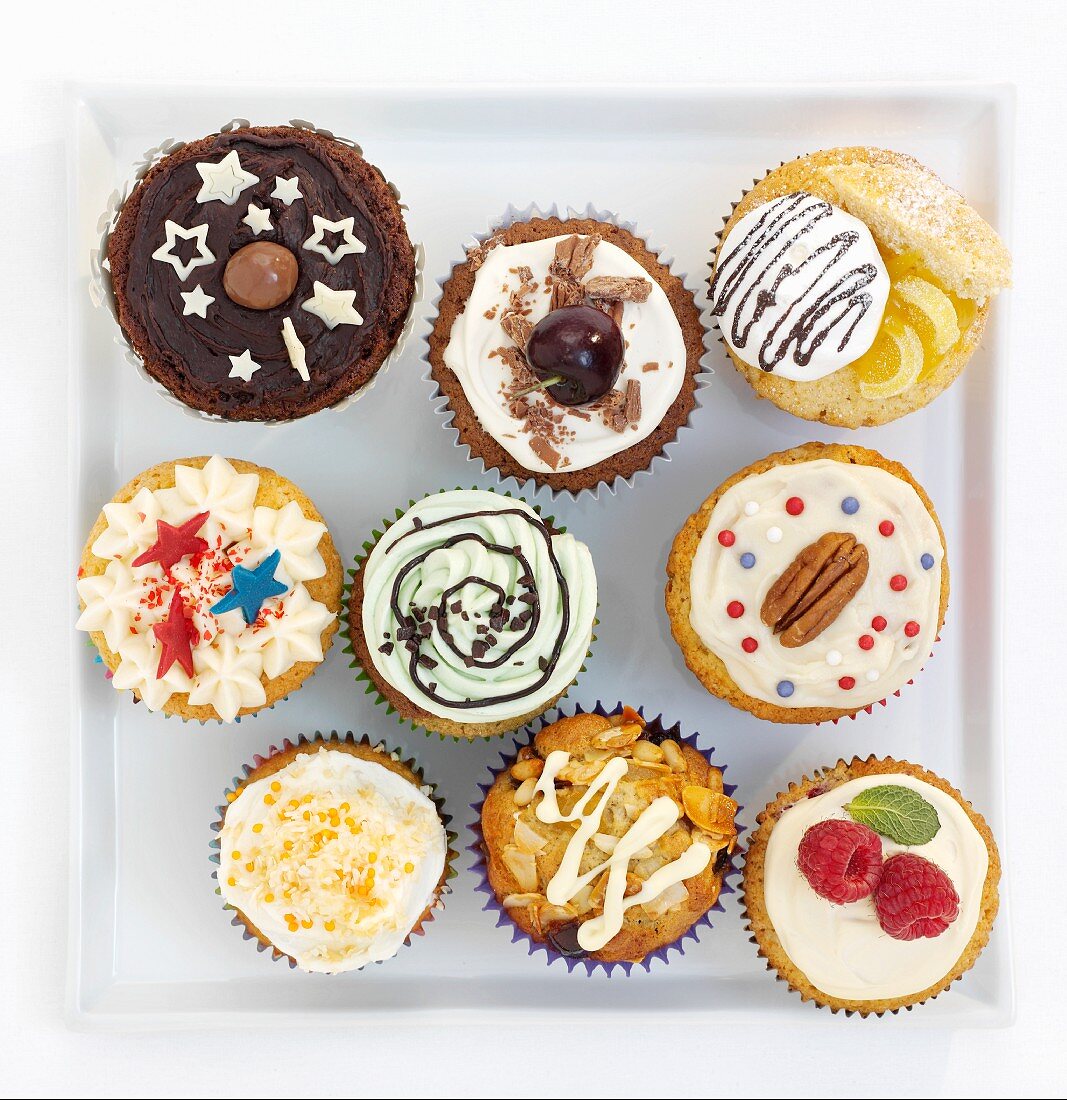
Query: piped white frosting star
{"x":295,"y":536}
{"x":224,"y":181}
{"x":286,"y":190}
{"x":130,"y":526}
{"x":227,"y":679}
{"x":138,"y":664}
{"x":349,"y":242}
{"x":333,"y":307}
{"x":295,"y":635}
{"x":244,"y":366}
{"x":258,"y":218}
{"x":203,"y":254}
{"x":111,"y":599}
{"x":196,"y":301}
{"x":297,"y":354}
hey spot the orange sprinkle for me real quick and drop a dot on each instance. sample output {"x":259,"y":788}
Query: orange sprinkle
{"x":250,"y":866}
{"x":329,"y":926}
{"x":288,"y":845}
{"x":269,"y":799}
{"x":408,"y":868}
{"x":258,"y":827}
{"x":307,"y":923}
{"x":276,"y":786}
{"x":373,"y":857}
{"x":231,"y":881}
{"x":268,"y":898}
{"x":236,"y":855}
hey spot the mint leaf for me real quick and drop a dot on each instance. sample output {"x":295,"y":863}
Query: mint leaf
{"x":897,"y":812}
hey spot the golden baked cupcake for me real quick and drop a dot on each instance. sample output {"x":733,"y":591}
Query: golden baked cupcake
{"x":872,"y":886}
{"x":211,"y":588}
{"x":332,"y":853}
{"x":470,"y":615}
{"x":852,"y":285}
{"x":809,"y":585}
{"x":608,"y":837}
{"x":567,"y":351}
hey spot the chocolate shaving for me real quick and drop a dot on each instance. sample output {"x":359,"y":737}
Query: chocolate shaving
{"x":632,"y":408}
{"x":611,"y":307}
{"x":618,"y":289}
{"x":566,"y":293}
{"x":573,"y":260}
{"x":545,"y":451}
{"x":517,"y":328}
{"x":649,"y":367}
{"x":612,"y":408}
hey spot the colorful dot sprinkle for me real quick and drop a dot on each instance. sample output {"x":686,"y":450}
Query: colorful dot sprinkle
{"x":898,"y":582}
{"x":751,"y":508}
{"x":747,"y":560}
{"x":850,"y":506}
{"x":866,"y":641}
{"x":735,"y":609}
{"x":846,"y":683}
{"x":879,"y":623}
{"x":927,"y":561}
{"x":872,"y":674}
{"x":911,"y":628}
{"x":749,"y":645}
{"x":886,"y":528}
{"x":785,"y":688}
{"x":833,"y":658}
{"x":794,"y":506}
{"x":726,"y":538}
{"x":774,"y":534}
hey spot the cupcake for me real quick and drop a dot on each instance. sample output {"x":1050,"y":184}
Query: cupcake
{"x":810,"y":584}
{"x":607,"y":839}
{"x":871,"y":887}
{"x":567,"y":352}
{"x":211,"y":588}
{"x":262,"y":274}
{"x":471,"y":615}
{"x":332,"y":853}
{"x":851,"y":286}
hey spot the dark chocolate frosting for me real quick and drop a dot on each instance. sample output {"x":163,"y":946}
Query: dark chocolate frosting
{"x":190,"y":354}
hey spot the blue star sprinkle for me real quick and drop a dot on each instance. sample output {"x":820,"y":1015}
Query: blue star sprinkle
{"x":251,"y":587}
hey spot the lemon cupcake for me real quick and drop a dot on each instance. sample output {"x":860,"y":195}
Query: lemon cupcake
{"x":852,"y":285}
{"x":210,"y":587}
{"x":332,"y":853}
{"x":809,"y":585}
{"x":872,"y":886}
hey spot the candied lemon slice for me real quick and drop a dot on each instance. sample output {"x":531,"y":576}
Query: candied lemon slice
{"x":935,"y":306}
{"x":896,"y":362}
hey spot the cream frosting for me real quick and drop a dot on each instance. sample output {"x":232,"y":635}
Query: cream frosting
{"x":834,"y":669}
{"x":333,"y":858}
{"x":650,"y":329}
{"x":800,"y":288}
{"x":458,"y":571}
{"x":230,"y":657}
{"x":840,"y":948}
{"x":655,"y":820}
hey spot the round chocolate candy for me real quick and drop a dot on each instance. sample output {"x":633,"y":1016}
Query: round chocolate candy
{"x":260,"y":276}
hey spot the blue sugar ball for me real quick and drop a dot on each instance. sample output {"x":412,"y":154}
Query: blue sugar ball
{"x":927,"y":561}
{"x":785,"y":688}
{"x":850,"y":506}
{"x":748,"y":560}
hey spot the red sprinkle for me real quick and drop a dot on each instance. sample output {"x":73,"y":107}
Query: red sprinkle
{"x":911,"y":628}
{"x":749,"y":645}
{"x":726,"y":538}
{"x":794,"y":506}
{"x":866,"y":641}
{"x":886,"y":528}
{"x":898,"y":582}
{"x":879,"y":623}
{"x":735,"y":609}
{"x":846,"y":683}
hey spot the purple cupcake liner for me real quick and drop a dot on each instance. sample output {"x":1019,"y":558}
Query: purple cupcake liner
{"x":429,"y":789}
{"x":481,"y":871}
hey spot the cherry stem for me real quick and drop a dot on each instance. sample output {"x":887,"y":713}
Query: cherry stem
{"x":552,"y":380}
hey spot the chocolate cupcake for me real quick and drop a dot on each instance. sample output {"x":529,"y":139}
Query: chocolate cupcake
{"x":470,"y":615}
{"x":566,"y":349}
{"x":264,"y":273}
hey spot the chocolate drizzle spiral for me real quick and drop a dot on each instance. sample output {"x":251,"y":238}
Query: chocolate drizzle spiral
{"x":794,"y":282}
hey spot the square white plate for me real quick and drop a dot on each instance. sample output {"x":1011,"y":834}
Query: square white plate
{"x":150,"y":943}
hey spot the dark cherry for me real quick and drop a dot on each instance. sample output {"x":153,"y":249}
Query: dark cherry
{"x":564,"y":939}
{"x":581,"y":346}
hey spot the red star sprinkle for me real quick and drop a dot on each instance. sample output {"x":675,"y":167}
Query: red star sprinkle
{"x":174,"y":634}
{"x":173,"y":543}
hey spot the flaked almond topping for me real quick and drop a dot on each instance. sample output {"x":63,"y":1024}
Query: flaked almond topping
{"x":617,"y":288}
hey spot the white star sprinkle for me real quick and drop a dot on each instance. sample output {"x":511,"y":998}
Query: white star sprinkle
{"x":244,"y":366}
{"x":349,"y":243}
{"x":286,"y":190}
{"x":297,"y":355}
{"x":196,"y":302}
{"x":333,"y":307}
{"x":258,"y":219}
{"x":203,"y":254}
{"x":224,"y":182}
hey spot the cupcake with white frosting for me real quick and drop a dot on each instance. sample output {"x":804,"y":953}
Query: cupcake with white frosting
{"x":211,"y":588}
{"x":332,"y":853}
{"x":809,"y":585}
{"x":871,"y":886}
{"x":470,"y":614}
{"x":567,"y":351}
{"x":606,"y":839}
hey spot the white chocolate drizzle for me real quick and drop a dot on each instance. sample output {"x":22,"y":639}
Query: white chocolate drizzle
{"x":657,"y":818}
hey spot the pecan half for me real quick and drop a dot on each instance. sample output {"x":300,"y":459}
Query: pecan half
{"x":815,"y":589}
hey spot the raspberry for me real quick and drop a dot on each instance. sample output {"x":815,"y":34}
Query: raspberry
{"x":915,"y":898}
{"x":842,"y":860}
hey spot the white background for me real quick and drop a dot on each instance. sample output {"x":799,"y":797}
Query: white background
{"x":395,"y":42}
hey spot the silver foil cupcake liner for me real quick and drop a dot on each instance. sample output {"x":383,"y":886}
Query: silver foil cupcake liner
{"x":102,"y":292}
{"x":703,"y":377}
{"x":481,"y":871}
{"x":429,"y":789}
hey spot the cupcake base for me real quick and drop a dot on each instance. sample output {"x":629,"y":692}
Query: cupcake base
{"x":757,"y":921}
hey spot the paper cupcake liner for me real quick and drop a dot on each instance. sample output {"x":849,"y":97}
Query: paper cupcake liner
{"x":102,"y":292}
{"x":481,"y":871}
{"x":746,"y":917}
{"x":429,"y":789}
{"x":702,"y":378}
{"x":363,"y":676}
